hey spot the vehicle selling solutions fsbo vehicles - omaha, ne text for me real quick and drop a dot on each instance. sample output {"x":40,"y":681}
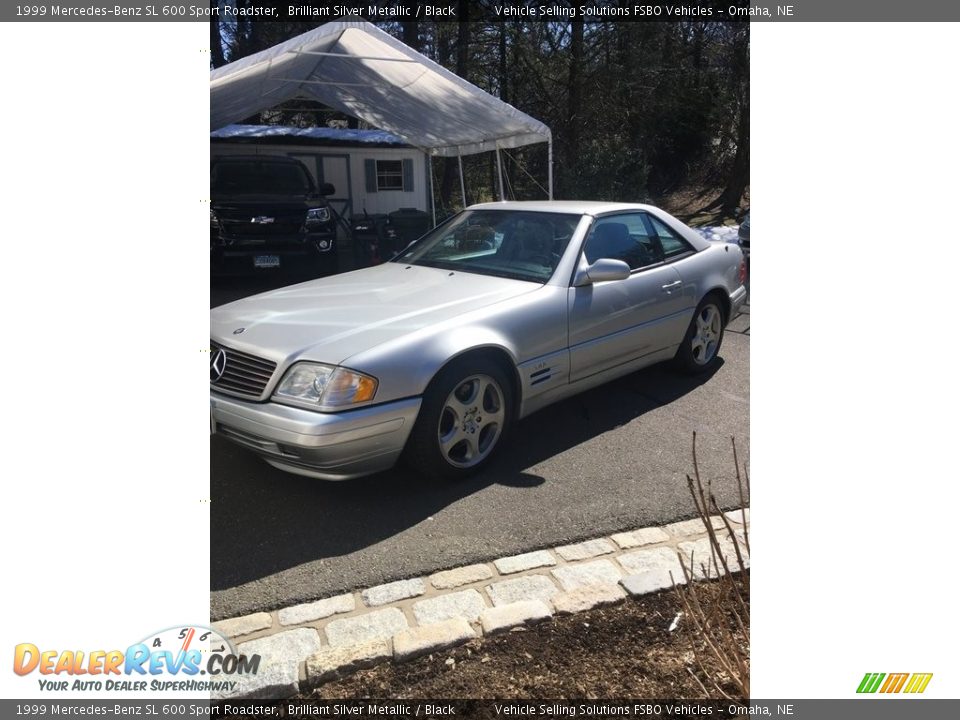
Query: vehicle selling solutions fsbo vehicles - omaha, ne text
{"x":498,"y":312}
{"x":267,"y":213}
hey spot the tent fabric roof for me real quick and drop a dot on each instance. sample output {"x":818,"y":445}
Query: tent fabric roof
{"x":358,"y":69}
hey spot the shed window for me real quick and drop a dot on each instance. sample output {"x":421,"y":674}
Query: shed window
{"x":385,"y":175}
{"x":389,"y":175}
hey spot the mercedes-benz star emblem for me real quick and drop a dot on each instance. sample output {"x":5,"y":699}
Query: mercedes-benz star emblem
{"x":218,"y":363}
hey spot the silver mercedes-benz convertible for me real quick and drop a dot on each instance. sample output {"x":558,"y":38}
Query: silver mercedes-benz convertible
{"x":501,"y":310}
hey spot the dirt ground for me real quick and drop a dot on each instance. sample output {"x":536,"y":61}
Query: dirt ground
{"x":623,"y":651}
{"x":695,"y":206}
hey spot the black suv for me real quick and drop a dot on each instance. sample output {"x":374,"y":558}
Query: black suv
{"x":267,"y":213}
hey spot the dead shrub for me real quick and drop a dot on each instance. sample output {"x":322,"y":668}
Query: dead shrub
{"x":721,"y":626}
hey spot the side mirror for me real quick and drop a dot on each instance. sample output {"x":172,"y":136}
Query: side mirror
{"x":327,"y":189}
{"x":603,"y":270}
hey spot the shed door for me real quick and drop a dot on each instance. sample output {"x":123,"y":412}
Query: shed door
{"x":336,"y":171}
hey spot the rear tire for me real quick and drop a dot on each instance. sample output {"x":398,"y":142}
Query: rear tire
{"x":700,"y":348}
{"x":466,"y":413}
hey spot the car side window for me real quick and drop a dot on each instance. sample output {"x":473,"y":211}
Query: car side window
{"x":622,"y":237}
{"x":671,"y":243}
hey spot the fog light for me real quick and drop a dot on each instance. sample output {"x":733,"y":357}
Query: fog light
{"x":324,"y":244}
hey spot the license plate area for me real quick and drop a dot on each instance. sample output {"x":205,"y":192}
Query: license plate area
{"x":266,"y":261}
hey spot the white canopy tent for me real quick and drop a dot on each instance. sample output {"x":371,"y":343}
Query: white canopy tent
{"x":358,"y":69}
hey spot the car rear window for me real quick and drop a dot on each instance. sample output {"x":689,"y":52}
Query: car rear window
{"x":673,"y":245}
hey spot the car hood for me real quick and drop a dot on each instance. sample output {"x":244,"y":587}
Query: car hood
{"x":331,"y":319}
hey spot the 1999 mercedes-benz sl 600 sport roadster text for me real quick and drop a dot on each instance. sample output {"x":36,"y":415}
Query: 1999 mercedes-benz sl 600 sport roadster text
{"x":501,"y":310}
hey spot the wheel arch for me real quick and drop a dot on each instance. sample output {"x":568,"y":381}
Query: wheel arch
{"x":724,"y":299}
{"x":496,"y":354}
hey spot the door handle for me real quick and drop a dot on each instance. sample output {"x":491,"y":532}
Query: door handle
{"x":669,"y":287}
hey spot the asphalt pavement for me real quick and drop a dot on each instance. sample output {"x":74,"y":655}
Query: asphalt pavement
{"x":611,"y":459}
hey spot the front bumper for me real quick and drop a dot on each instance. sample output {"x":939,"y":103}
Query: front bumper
{"x":329,"y":446}
{"x":304,"y":253}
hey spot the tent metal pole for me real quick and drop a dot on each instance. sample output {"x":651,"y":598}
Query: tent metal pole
{"x":463,"y":188}
{"x":550,"y":168}
{"x":500,"y":174}
{"x":433,"y":207}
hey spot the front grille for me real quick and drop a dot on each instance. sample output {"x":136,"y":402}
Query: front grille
{"x":249,"y":229}
{"x":239,"y":223}
{"x":243,"y":374}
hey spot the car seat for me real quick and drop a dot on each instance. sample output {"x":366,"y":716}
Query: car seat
{"x":609,"y":240}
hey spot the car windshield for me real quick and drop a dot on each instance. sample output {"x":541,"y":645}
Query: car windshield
{"x":259,"y":178}
{"x":515,"y":244}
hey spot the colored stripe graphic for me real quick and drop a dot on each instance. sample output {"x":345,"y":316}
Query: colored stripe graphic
{"x":918,"y":682}
{"x":895,"y":682}
{"x":870,"y":682}
{"x":899,"y":686}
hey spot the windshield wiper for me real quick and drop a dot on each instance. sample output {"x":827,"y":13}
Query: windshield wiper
{"x":516,"y":276}
{"x":476,"y":270}
{"x":436,"y":264}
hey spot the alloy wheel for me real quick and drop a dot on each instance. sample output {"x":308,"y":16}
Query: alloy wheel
{"x":706,"y":338}
{"x":471,"y":421}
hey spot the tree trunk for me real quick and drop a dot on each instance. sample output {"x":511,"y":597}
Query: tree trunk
{"x":740,"y":172}
{"x":502,"y":57}
{"x":739,"y":176}
{"x":216,"y":42}
{"x":699,"y":30}
{"x":463,"y":38}
{"x":411,"y":34}
{"x":574,"y":102}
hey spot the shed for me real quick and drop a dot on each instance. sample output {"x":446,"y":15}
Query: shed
{"x":358,"y":69}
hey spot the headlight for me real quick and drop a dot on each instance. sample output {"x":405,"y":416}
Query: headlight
{"x":324,"y":387}
{"x":320,"y":214}
{"x":213,"y":219}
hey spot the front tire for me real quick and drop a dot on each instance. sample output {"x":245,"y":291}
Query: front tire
{"x":700,"y":347}
{"x":466,"y":413}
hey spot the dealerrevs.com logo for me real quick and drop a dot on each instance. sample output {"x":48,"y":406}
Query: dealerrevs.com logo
{"x":182,"y":659}
{"x":910,"y":683}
